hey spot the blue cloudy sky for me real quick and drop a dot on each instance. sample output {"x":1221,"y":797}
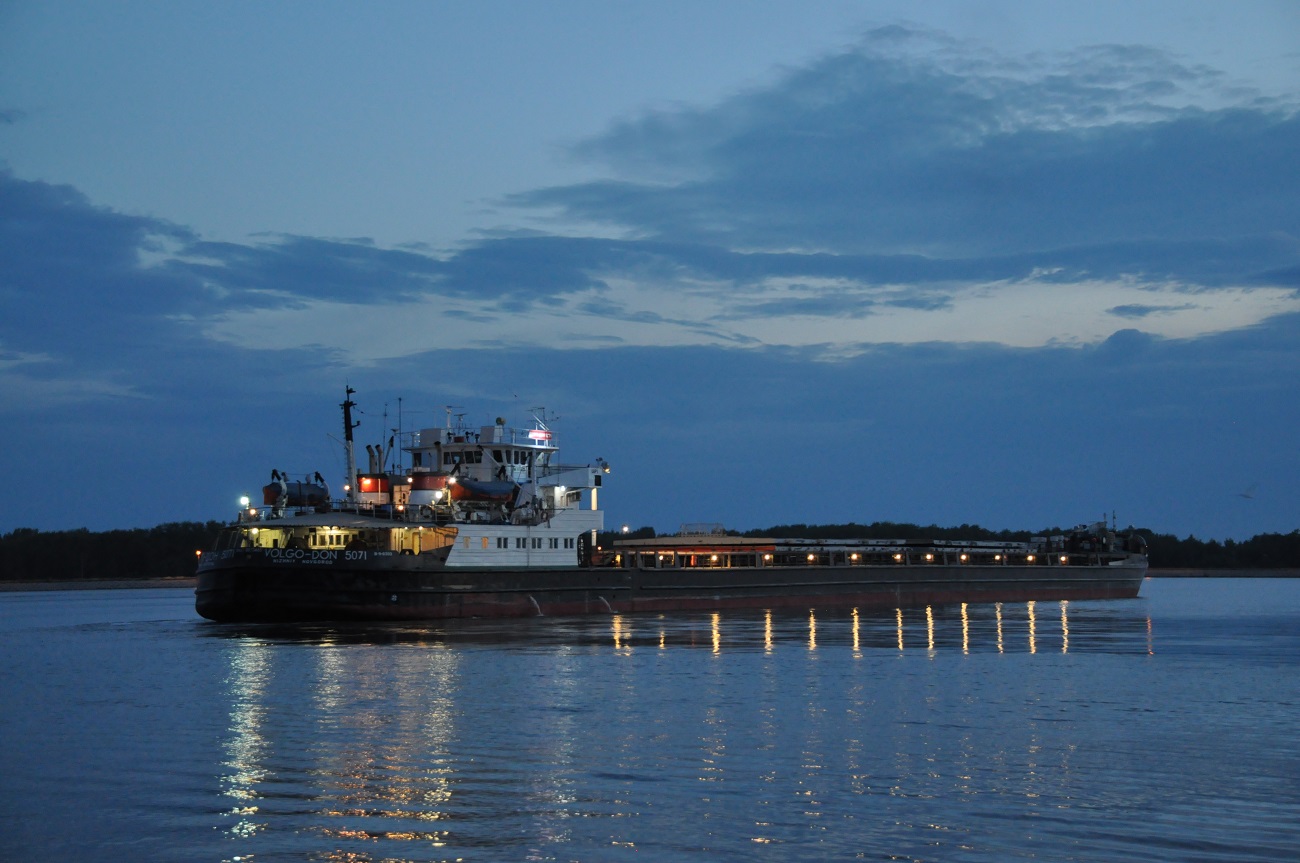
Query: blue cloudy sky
{"x":1008,"y":264}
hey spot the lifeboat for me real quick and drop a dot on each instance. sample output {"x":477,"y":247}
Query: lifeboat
{"x":470,"y":490}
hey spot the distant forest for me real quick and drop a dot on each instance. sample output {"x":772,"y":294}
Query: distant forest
{"x":166,"y":551}
{"x":169,"y":550}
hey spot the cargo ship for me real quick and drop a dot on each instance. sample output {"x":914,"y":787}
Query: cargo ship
{"x":488,"y":522}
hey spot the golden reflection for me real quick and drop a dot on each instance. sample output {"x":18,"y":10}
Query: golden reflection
{"x":1065,"y":627}
{"x":965,"y":630}
{"x":812,"y":630}
{"x":857,"y":644}
{"x":331,"y":673}
{"x":374,"y":775}
{"x":246,"y":749}
{"x":1033,"y":628}
{"x":622,"y":633}
{"x":717,"y":632}
{"x":898,"y":612}
{"x":929,"y":626}
{"x":767,"y":631}
{"x":1151,"y":644}
{"x":997,"y":608}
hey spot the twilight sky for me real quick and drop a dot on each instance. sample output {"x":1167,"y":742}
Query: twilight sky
{"x":1010,"y":264}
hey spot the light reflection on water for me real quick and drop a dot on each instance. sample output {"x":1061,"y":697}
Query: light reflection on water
{"x":1052,"y":731}
{"x":549,"y":737}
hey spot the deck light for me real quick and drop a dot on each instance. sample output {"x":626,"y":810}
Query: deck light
{"x":1029,"y":558}
{"x":964,"y":557}
{"x":243,"y":502}
{"x":811,"y":558}
{"x":898,"y":557}
{"x":929,"y":557}
{"x":1065,"y":558}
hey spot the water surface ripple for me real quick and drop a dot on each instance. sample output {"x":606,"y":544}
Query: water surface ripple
{"x":1156,"y":729}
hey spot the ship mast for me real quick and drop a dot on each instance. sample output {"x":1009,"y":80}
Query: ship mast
{"x":348,"y":426}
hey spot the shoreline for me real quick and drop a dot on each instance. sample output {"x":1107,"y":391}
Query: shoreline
{"x":1223,"y":573}
{"x":191,"y":581}
{"x":99,"y":584}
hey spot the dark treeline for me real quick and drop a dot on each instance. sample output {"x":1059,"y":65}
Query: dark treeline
{"x":168,"y":551}
{"x":1264,"y":551}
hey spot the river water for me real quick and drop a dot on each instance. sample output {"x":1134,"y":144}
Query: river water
{"x":1161,"y":728}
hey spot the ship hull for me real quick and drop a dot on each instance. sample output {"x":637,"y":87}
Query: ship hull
{"x":244,"y":594}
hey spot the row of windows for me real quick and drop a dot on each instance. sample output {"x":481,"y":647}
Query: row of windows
{"x":523,"y":542}
{"x":510,"y":456}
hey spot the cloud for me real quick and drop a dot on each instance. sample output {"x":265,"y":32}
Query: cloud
{"x":1137,"y":310}
{"x":911,"y":188}
{"x":73,"y":292}
{"x":912,"y":273}
{"x":902,"y":146}
{"x":96,"y":305}
{"x":286,"y":270}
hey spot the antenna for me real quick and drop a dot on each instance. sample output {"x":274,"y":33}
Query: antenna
{"x":539,"y":414}
{"x":348,"y":426}
{"x":397,"y":432}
